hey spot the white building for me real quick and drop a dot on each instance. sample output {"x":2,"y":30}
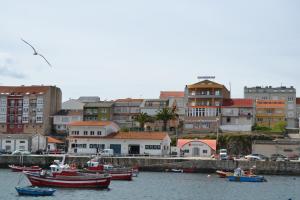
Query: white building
{"x":197,"y":148}
{"x":88,"y":137}
{"x":62,"y":118}
{"x":237,"y":115}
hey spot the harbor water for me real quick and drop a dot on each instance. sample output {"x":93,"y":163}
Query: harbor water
{"x":166,"y":186}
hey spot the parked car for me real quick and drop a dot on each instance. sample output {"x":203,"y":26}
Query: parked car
{"x":278,"y":157}
{"x":21,"y":152}
{"x":255,"y":157}
{"x":223,"y":154}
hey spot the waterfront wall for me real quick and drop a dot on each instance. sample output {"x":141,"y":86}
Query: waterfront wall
{"x":163,"y":164}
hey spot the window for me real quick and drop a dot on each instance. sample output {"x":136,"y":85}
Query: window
{"x":186,"y":151}
{"x":85,"y":132}
{"x":92,"y":132}
{"x":22,"y":141}
{"x":204,"y":151}
{"x":228,"y":119}
{"x":154,"y":147}
{"x":8,"y":141}
{"x":98,"y":132}
{"x":290,"y":99}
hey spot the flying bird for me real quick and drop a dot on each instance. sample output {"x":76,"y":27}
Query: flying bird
{"x":36,"y":53}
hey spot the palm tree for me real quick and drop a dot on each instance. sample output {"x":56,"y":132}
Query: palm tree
{"x":165,"y":115}
{"x":143,"y":118}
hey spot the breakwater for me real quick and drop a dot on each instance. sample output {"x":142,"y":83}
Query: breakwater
{"x":162,"y":164}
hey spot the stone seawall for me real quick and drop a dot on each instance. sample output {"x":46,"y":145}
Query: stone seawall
{"x":162,"y":164}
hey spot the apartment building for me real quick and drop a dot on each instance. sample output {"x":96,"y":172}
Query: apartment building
{"x":125,"y":110}
{"x":287,"y":94}
{"x":98,"y":111}
{"x":62,"y":118}
{"x":28,"y":109}
{"x":270,"y":112}
{"x":203,"y":106}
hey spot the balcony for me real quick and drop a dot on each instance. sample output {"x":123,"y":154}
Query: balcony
{"x":204,"y":96}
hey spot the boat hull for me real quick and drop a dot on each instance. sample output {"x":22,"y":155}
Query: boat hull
{"x":31,"y":191}
{"x":223,"y":174}
{"x":247,"y":178}
{"x":69,"y":181}
{"x":15,"y":168}
{"x":115,"y":175}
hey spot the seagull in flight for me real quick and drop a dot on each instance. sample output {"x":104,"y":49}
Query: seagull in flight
{"x":36,"y":53}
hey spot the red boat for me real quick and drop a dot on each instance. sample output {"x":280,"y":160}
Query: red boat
{"x":81,"y":180}
{"x":16,"y":168}
{"x":115,"y":172}
{"x":223,"y":174}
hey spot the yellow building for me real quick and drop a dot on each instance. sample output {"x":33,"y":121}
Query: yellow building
{"x":269,"y":112}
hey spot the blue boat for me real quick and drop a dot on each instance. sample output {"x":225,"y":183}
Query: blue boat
{"x":239,"y":176}
{"x":35,"y":191}
{"x":247,"y":178}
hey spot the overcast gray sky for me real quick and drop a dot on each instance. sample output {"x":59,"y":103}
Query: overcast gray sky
{"x":118,"y":49}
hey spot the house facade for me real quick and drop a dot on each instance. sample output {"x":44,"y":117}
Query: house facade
{"x":270,"y":112}
{"x":287,"y":94}
{"x":98,"y":111}
{"x":62,"y":118}
{"x":125,"y":111}
{"x":203,"y":106}
{"x":237,"y":115}
{"x":28,"y":109}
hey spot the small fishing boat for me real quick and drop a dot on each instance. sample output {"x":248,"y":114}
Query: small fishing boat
{"x":35,"y":191}
{"x":247,"y":178}
{"x":16,"y":168}
{"x":117,"y":173}
{"x":240,"y":176}
{"x":177,"y":170}
{"x":80,"y":180}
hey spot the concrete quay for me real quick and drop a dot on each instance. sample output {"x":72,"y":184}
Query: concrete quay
{"x":159,"y":164}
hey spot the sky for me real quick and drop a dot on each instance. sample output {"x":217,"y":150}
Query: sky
{"x":137,"y":48}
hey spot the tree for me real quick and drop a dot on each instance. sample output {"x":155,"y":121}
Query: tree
{"x":280,"y":126}
{"x":165,"y":115}
{"x":143,"y":118}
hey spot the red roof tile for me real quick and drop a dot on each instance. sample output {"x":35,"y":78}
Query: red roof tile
{"x":53,"y":140}
{"x":23,"y":89}
{"x":238,"y":103}
{"x":211,"y":143}
{"x":167,"y":94}
{"x":91,"y":123}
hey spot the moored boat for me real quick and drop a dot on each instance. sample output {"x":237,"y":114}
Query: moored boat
{"x":35,"y":191}
{"x":117,"y":173}
{"x":16,"y":168}
{"x":247,"y":178}
{"x":240,"y":176}
{"x":81,"y":180}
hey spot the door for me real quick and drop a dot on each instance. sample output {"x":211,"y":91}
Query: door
{"x":116,"y":148}
{"x":196,"y":151}
{"x":134,"y":149}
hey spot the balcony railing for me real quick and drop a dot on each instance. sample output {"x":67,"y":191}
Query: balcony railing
{"x":197,"y":95}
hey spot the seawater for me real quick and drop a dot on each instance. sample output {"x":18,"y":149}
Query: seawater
{"x":166,"y":186}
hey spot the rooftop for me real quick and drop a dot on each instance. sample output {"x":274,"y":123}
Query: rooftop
{"x":238,"y":103}
{"x":206,"y":84}
{"x":129,"y":100}
{"x":168,"y":94}
{"x":211,"y":143}
{"x":91,"y":123}
{"x":54,"y":140}
{"x":106,"y":104}
{"x":20,"y":90}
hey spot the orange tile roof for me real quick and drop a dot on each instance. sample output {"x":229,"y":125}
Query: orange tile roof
{"x":270,"y":104}
{"x":53,"y":140}
{"x":129,"y":100}
{"x":139,"y":135}
{"x":167,"y":94}
{"x":211,"y":143}
{"x":91,"y":123}
{"x":23,"y":89}
{"x":238,"y":103}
